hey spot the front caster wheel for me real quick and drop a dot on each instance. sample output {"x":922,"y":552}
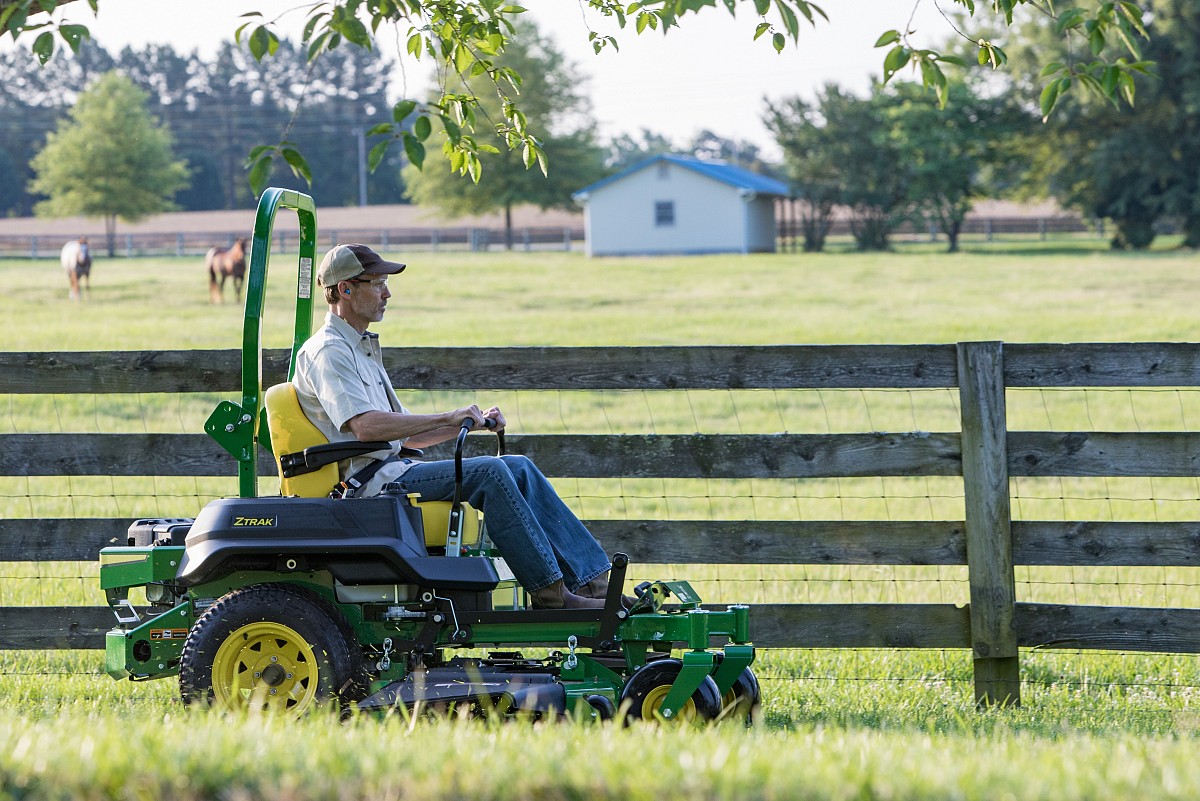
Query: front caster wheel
{"x":647,"y":688}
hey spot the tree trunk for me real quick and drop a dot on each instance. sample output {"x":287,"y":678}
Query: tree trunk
{"x":110,"y":234}
{"x":952,"y":232}
{"x":508,"y":234}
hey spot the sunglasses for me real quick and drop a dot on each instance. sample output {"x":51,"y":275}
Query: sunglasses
{"x":378,"y":283}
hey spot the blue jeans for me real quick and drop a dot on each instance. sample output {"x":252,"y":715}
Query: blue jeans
{"x":541,"y":539}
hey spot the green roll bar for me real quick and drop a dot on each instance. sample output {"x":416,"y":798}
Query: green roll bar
{"x":241,"y":428}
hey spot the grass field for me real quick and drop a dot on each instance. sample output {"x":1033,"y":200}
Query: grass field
{"x":850,"y":724}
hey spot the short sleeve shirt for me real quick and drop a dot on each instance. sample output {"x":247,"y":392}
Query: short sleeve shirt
{"x":340,"y":375}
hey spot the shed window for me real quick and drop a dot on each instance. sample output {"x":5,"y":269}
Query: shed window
{"x":664,"y":212}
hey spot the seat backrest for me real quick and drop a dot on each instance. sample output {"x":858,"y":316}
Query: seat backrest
{"x":292,"y":431}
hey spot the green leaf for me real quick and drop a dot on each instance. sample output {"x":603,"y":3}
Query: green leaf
{"x":762,"y":28}
{"x":260,"y":43}
{"x":1127,"y":87}
{"x":887,"y":38}
{"x":402,"y":109}
{"x":1049,"y":98}
{"x":73,"y":35}
{"x":375,"y":157}
{"x":1051,"y":68}
{"x":1070,"y":19}
{"x":474,"y":167}
{"x":452,"y":130}
{"x":43,"y":46}
{"x":298,"y":163}
{"x":381,"y":128}
{"x":896,"y":58}
{"x":778,"y":41}
{"x":259,"y":174}
{"x":415,"y":45}
{"x":422,"y":128}
{"x":414,"y":150}
{"x":762,"y":7}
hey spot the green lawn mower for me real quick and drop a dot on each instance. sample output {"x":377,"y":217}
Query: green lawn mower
{"x":290,"y":602}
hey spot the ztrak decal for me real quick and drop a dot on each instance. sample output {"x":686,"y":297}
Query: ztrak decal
{"x":255,"y":522}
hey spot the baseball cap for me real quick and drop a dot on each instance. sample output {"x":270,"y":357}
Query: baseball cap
{"x":344,"y":262}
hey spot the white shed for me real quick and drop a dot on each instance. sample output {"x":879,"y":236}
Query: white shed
{"x":672,"y":204}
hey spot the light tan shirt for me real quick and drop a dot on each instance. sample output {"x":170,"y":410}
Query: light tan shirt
{"x":339,"y":375}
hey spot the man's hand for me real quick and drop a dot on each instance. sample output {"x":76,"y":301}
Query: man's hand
{"x":494,"y":413}
{"x":472,"y":413}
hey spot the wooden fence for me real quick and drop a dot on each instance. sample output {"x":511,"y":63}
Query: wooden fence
{"x":984,"y":453}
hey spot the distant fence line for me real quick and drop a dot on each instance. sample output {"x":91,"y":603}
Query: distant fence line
{"x":197,"y":243}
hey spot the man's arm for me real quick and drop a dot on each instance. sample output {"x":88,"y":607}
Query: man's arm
{"x":417,"y":430}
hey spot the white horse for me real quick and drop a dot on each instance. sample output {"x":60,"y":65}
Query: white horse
{"x":77,"y":262}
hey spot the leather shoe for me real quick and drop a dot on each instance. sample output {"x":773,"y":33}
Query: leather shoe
{"x":557,"y":596}
{"x":598,"y":588}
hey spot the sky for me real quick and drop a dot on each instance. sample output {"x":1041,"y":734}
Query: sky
{"x":707,"y":74}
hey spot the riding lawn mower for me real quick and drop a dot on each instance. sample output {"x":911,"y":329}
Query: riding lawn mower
{"x":312,"y":597}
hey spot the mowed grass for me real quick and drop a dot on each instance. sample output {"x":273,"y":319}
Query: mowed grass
{"x":1063,"y":291}
{"x":837,"y":724}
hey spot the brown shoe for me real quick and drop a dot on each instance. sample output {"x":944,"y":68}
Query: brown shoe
{"x":557,"y":596}
{"x":598,"y":588}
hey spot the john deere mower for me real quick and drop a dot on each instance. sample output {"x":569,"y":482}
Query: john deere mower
{"x":312,"y":597}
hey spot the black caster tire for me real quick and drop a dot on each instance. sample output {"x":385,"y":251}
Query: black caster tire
{"x":648,"y":686}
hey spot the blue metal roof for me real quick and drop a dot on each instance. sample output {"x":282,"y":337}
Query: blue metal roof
{"x":734,"y":176}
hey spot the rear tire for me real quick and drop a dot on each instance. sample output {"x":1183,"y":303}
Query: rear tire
{"x":272,"y":647}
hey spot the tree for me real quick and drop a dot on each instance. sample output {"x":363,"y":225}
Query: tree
{"x":111,"y":158}
{"x":808,"y":148}
{"x":468,"y":37}
{"x":951,"y":154}
{"x":1135,"y":166}
{"x":626,"y":150}
{"x":553,"y":98}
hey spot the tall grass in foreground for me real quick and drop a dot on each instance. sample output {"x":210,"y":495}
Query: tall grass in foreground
{"x":88,"y":752}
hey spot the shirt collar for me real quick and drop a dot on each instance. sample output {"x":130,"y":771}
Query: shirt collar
{"x":346,"y":330}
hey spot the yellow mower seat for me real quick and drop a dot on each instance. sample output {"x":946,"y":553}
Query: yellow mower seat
{"x":292,"y":432}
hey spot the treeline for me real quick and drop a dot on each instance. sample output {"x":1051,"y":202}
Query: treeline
{"x":894,"y":156}
{"x":216,"y":110}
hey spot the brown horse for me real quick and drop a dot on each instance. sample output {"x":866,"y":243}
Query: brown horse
{"x":77,"y":262}
{"x":226,"y":263}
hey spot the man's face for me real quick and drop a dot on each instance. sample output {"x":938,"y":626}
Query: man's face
{"x":368,"y":297}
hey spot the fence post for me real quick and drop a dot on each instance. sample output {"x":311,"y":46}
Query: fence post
{"x":988,"y":523}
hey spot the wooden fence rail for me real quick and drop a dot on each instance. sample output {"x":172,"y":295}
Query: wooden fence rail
{"x":994,"y":625}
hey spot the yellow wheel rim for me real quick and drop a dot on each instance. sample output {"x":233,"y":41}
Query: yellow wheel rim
{"x":653,"y":702}
{"x":265,"y":666}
